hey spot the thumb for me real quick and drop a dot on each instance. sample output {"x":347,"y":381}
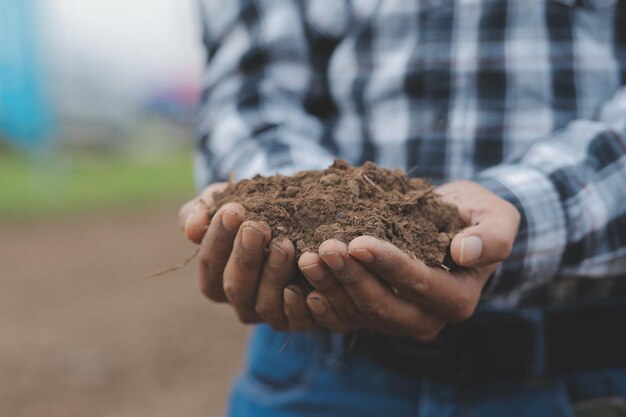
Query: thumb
{"x":193,"y":217}
{"x":489,"y":240}
{"x":194,"y":220}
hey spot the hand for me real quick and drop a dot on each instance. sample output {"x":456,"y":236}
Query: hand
{"x":372,"y":284}
{"x":241,"y":263}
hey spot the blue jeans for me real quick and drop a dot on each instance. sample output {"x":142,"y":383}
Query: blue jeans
{"x":310,"y":375}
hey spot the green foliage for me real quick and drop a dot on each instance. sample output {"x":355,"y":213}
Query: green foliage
{"x":71,"y":184}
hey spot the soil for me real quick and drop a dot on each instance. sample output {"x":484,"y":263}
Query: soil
{"x":343,"y":202}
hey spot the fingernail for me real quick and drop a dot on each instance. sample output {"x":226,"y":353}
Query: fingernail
{"x":334,"y":260}
{"x":277,"y":256}
{"x":251,"y":238}
{"x":316,"y":305}
{"x":363,"y":255}
{"x":313,"y":272}
{"x":471,"y":248}
{"x":290,"y":296}
{"x":230,"y":220}
{"x":190,"y":218}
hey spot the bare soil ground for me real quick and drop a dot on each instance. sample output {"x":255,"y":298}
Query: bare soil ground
{"x":82,"y":335}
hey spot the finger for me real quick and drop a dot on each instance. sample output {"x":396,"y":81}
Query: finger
{"x":488,"y":242}
{"x":493,"y":225}
{"x":207,"y":194}
{"x":296,"y":310}
{"x":194,"y":220}
{"x":216,"y":247}
{"x":320,"y":277}
{"x":377,"y":304}
{"x":454,"y":296}
{"x":277,"y":273}
{"x":185,"y":211}
{"x":243,"y":269}
{"x":193,"y":216}
{"x":324,"y":314}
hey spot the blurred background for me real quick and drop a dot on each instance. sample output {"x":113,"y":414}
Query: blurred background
{"x":97,"y":111}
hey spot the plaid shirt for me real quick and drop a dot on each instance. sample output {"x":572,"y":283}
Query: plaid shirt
{"x":526,"y":97}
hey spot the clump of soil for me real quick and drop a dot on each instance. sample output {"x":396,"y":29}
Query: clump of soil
{"x":343,"y":202}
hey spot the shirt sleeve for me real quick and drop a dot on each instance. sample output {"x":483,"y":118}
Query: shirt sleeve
{"x":571,"y":192}
{"x":265,"y":106}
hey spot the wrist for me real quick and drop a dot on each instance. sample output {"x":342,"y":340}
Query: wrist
{"x":540,"y":242}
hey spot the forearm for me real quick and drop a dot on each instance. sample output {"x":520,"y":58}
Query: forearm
{"x":571,"y":192}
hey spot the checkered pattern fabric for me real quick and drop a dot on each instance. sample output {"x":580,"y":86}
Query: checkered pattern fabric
{"x":526,"y":97}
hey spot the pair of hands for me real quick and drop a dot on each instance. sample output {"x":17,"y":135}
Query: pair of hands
{"x":367,"y":283}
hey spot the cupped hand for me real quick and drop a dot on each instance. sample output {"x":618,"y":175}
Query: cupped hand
{"x":241,"y":264}
{"x":370,"y":283}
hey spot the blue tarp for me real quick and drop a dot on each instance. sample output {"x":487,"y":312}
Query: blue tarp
{"x":25,"y":114}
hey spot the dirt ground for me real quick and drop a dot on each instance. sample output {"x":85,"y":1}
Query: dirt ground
{"x":82,"y":335}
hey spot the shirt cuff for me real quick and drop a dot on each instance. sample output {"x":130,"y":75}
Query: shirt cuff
{"x":540,"y":242}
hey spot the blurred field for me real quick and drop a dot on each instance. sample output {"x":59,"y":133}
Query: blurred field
{"x":66,"y":184}
{"x":80,"y":333}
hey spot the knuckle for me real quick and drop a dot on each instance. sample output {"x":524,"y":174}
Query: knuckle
{"x":324,"y":285}
{"x":233,"y":293}
{"x":464,"y":306}
{"x":205,"y":259}
{"x":462,"y":314}
{"x":347,"y":278}
{"x":210,"y":285}
{"x":206,"y":291}
{"x":263,"y":309}
{"x":507,"y":249}
{"x":417,"y":281}
{"x":211,"y":263}
{"x":375,"y":312}
{"x":515,"y":214}
{"x":248,"y":261}
{"x":267,"y":312}
{"x":415,"y":284}
{"x":503,"y":246}
{"x":209,"y":292}
{"x":389,"y":264}
{"x":407,"y":281}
